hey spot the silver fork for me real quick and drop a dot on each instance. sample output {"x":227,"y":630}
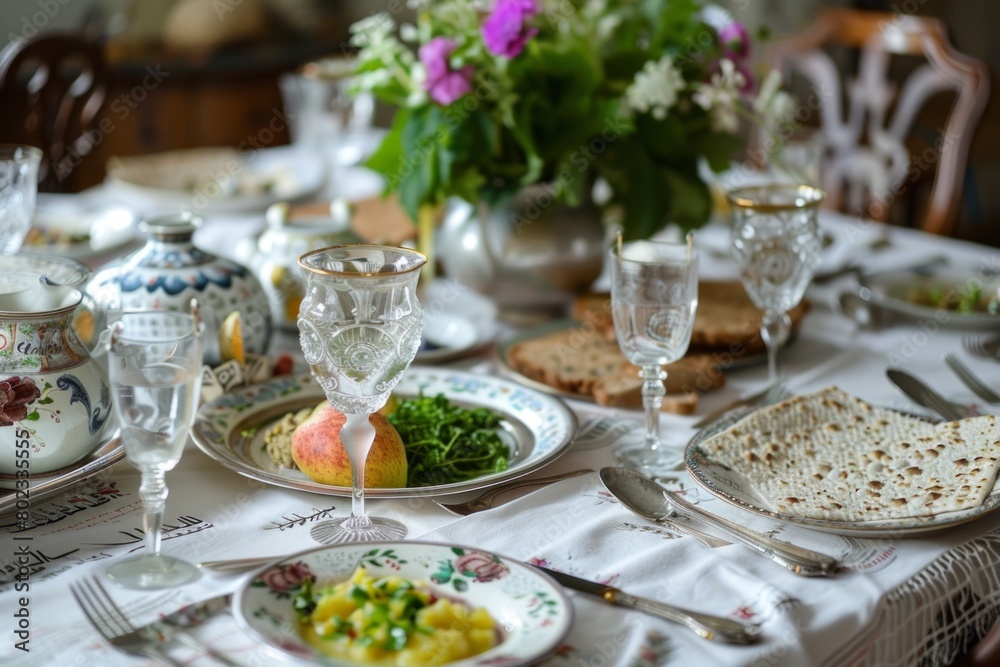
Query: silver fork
{"x":970,"y":380}
{"x":987,"y":347}
{"x":485,"y":501}
{"x":108,"y":619}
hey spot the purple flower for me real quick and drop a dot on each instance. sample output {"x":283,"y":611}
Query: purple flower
{"x":444,"y":84}
{"x":735,"y":41}
{"x":505,"y":31}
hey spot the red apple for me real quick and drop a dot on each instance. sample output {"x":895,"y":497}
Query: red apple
{"x":319,"y":453}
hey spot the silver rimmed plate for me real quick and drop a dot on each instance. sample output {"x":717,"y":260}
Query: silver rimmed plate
{"x":46,"y":485}
{"x":231,"y":428}
{"x":904,"y":293}
{"x":531,"y":610}
{"x":730,"y":485}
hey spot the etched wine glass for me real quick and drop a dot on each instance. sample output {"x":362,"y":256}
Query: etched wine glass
{"x":18,"y":192}
{"x":154,"y":364}
{"x":654,"y":296}
{"x":359,"y":327}
{"x":776,"y":242}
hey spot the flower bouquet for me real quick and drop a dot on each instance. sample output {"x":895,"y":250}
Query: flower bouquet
{"x":497,"y":95}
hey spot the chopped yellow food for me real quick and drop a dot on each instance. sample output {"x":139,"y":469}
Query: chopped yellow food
{"x":392,"y":621}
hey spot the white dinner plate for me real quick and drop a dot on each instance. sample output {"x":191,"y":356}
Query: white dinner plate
{"x":895,"y":291}
{"x":532,"y":611}
{"x":291,"y":174}
{"x":730,"y":485}
{"x":843,"y":239}
{"x":447,"y":336}
{"x":80,"y":226}
{"x":231,"y":428}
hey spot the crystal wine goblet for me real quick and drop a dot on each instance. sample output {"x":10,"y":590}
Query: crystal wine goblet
{"x":154,"y":364}
{"x":654,"y":295}
{"x":776,"y":242}
{"x":18,"y":191}
{"x":359,"y":327}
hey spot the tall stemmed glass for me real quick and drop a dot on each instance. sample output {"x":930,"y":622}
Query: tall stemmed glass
{"x":359,"y":327}
{"x":154,"y":364}
{"x":18,"y":191}
{"x":776,"y":242}
{"x":654,"y":295}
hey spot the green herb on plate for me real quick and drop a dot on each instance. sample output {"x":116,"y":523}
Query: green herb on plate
{"x":446,"y":443}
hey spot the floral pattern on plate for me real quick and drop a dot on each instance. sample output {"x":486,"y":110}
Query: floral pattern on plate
{"x":533,"y":611}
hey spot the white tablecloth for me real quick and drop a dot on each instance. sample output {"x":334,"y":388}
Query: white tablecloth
{"x":905,"y":601}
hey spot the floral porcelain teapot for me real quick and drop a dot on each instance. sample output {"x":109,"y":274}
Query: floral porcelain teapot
{"x":55,"y":401}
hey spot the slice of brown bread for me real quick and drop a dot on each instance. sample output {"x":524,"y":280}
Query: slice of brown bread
{"x":582,"y":361}
{"x":726,"y":318}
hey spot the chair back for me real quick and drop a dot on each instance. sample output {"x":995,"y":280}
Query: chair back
{"x":51,"y":90}
{"x":867,"y":120}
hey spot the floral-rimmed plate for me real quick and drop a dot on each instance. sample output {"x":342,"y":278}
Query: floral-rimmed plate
{"x":896,"y":291}
{"x":531,"y":610}
{"x":231,"y":428}
{"x":730,"y":485}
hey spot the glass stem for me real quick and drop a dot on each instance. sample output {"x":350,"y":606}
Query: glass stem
{"x":357,"y":434}
{"x":652,"y":400}
{"x":153,"y":492}
{"x":774,"y":329}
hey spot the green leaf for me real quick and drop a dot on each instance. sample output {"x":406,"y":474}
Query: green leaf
{"x":690,"y":200}
{"x":636,"y":183}
{"x":461,"y":585}
{"x":32,"y":416}
{"x":387,"y":158}
{"x":45,"y":401}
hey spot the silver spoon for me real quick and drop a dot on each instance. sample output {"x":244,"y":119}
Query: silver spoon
{"x":635,"y":490}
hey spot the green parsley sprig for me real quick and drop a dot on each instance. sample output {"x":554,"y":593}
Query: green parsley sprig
{"x":446,"y":443}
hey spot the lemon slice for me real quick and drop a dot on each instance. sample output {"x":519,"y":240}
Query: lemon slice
{"x":231,"y":338}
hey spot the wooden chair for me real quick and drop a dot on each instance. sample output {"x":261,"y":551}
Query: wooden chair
{"x":51,"y":90}
{"x":867,"y":120}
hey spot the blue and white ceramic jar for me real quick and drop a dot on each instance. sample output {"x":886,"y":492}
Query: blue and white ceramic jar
{"x":170,"y":270}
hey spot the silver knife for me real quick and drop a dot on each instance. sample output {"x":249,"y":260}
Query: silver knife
{"x":710,"y":627}
{"x":925,"y":396}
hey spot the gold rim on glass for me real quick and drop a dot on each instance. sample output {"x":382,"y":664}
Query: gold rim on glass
{"x":361,"y":274}
{"x":800,"y":197}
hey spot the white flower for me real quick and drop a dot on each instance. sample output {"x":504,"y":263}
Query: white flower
{"x":716,"y":17}
{"x":409,"y":33}
{"x":721,"y":95}
{"x":655,"y":88}
{"x":372,"y":30}
{"x":773,"y":105}
{"x":772,"y":82}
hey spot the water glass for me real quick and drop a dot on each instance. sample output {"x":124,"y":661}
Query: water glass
{"x":325,"y":113}
{"x":776,"y":242}
{"x":154,"y":364}
{"x":18,"y":190}
{"x":359,"y":326}
{"x":654,"y":295}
